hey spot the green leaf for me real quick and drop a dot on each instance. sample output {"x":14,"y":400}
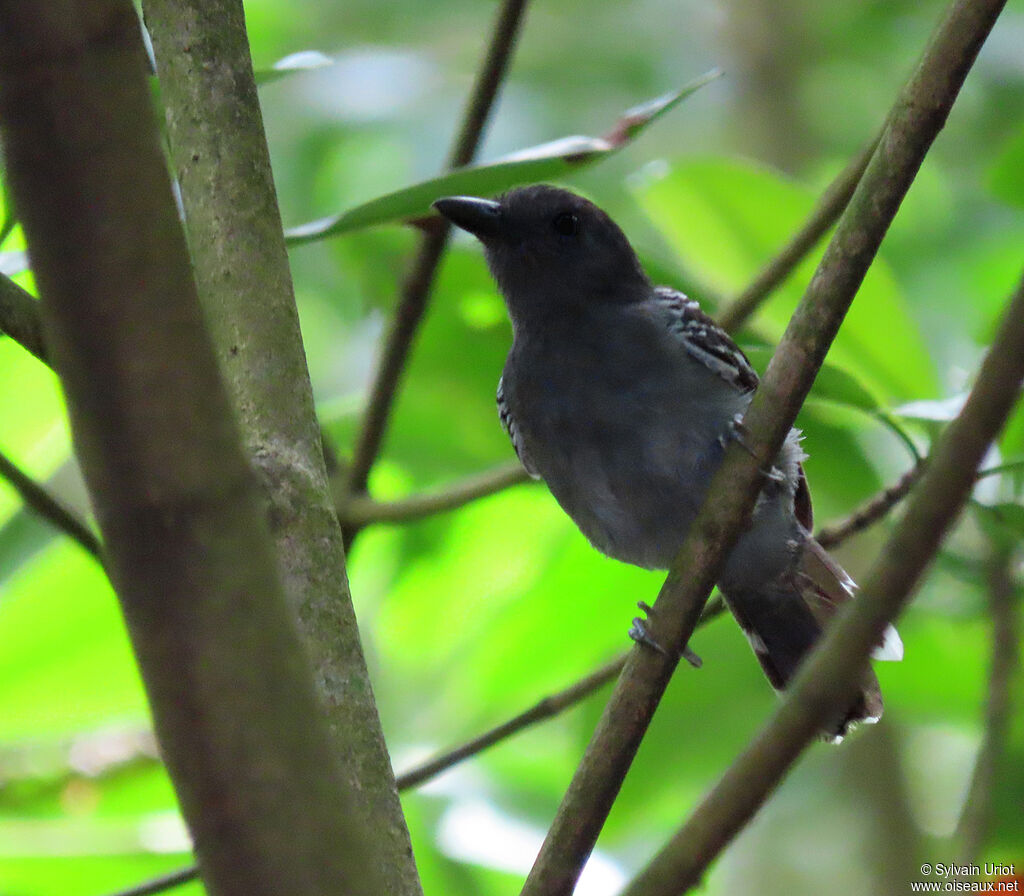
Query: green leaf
{"x":1006,"y":175}
{"x":1008,"y":515}
{"x":303,"y":61}
{"x":727,"y":218}
{"x":549,"y":161}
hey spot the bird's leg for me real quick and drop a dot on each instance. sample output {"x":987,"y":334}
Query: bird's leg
{"x":736,"y":432}
{"x":638,"y":632}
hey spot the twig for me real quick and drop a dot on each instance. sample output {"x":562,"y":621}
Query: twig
{"x":49,"y":508}
{"x":1003,"y":597}
{"x":832,"y":671}
{"x":544,"y":709}
{"x":830,"y":206}
{"x":877,"y":506}
{"x":19,"y":318}
{"x":918,"y":115}
{"x":362,"y":510}
{"x":871,"y":511}
{"x":416,"y":289}
{"x":162,"y":883}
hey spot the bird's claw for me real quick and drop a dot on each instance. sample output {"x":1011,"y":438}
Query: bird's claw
{"x":638,"y":632}
{"x":736,"y":432}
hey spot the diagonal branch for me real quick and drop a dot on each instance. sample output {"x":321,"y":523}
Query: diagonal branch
{"x":834,"y":668}
{"x":416,"y":289}
{"x":871,"y":511}
{"x":20,"y":319}
{"x":361,"y":510}
{"x":49,"y":508}
{"x":918,"y":115}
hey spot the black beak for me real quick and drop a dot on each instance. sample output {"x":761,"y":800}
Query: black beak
{"x":480,"y":217}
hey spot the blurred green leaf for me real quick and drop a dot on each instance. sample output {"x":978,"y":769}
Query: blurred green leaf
{"x":65,"y":660}
{"x":1009,"y":516}
{"x":549,"y":161}
{"x":1006,"y":174}
{"x":726,"y":218}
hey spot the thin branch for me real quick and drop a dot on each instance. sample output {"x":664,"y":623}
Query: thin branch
{"x":362,"y":510}
{"x":49,"y":508}
{"x":544,"y":709}
{"x":871,"y":511}
{"x":416,"y":289}
{"x":20,"y":319}
{"x":830,"y":206}
{"x":917,"y":116}
{"x":878,"y":506}
{"x":835,"y":667}
{"x":162,"y":883}
{"x":547,"y":708}
{"x":1003,"y":597}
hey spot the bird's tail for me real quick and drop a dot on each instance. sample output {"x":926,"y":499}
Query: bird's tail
{"x":783,"y":620}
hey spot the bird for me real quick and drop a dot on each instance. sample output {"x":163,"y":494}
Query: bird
{"x":622,"y":396}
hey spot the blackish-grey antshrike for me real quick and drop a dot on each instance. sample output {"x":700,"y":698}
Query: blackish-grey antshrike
{"x":622,"y":396}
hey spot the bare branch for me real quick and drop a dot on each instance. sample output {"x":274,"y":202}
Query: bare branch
{"x":830,"y":206}
{"x":871,"y":511}
{"x":20,"y":319}
{"x":546,"y":708}
{"x":834,"y":668}
{"x":918,"y":115}
{"x":162,"y":883}
{"x":416,"y":289}
{"x":49,"y":508}
{"x":361,"y":510}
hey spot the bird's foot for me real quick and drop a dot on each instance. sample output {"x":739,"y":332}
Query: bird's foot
{"x":638,"y":632}
{"x":736,"y":432}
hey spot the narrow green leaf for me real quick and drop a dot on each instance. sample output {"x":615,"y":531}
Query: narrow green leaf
{"x":549,"y":161}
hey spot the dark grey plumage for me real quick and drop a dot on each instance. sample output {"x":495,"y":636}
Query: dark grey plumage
{"x":622,"y":397}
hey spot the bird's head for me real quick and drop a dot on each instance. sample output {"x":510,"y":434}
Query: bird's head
{"x":550,"y":249}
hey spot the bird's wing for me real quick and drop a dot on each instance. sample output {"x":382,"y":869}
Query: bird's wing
{"x":508,"y":423}
{"x":704,"y":340}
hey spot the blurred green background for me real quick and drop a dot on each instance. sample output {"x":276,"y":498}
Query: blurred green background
{"x":469,"y":617}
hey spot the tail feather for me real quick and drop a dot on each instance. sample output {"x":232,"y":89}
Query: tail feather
{"x":784,"y":619}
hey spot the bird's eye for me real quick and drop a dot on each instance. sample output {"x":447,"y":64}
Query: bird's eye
{"x":567,"y":224}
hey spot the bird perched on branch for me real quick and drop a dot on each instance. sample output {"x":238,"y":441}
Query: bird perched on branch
{"x":622,"y":397}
